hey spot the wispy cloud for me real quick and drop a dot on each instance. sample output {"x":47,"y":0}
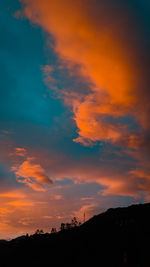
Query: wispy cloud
{"x":20,"y":151}
{"x":85,"y":212}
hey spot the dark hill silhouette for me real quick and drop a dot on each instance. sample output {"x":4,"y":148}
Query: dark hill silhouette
{"x":116,"y":238}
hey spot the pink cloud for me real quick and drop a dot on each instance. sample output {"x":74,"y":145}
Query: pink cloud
{"x":20,"y":151}
{"x":85,"y":212}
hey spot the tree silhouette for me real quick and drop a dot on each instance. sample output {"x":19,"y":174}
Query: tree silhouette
{"x":75,"y":222}
{"x":53,"y":230}
{"x":68,"y":225}
{"x":39,"y":232}
{"x":62,"y":227}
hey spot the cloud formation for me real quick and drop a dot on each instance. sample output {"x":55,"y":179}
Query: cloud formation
{"x":32,"y":174}
{"x":107,"y":44}
{"x":106,"y":54}
{"x":114,"y":173}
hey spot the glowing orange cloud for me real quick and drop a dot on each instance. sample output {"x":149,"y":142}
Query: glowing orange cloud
{"x":25,"y":167}
{"x":21,"y":203}
{"x":12,"y":194}
{"x":84,"y":35}
{"x":92,"y":43}
{"x":32,"y":174}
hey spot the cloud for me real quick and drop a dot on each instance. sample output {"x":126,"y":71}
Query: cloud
{"x":105,"y":43}
{"x":26,"y":221}
{"x":58,"y":197}
{"x":32,"y":174}
{"x":21,"y":204}
{"x":110,"y":170}
{"x":12,"y":194}
{"x":20,"y":161}
{"x":85,"y":212}
{"x":47,"y":69}
{"x":5,"y":211}
{"x":106,"y":55}
{"x":47,"y":217}
{"x":86,"y":198}
{"x":20,"y":151}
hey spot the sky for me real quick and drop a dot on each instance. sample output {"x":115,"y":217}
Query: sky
{"x":74,"y":110}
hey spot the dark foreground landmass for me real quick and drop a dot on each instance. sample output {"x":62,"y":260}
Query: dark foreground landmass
{"x":119,"y":237}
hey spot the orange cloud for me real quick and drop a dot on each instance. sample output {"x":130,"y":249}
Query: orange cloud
{"x":12,"y":194}
{"x":5,"y":211}
{"x":18,"y":212}
{"x":32,"y":174}
{"x":88,"y":39}
{"x":19,"y":203}
{"x":47,"y":217}
{"x":107,"y":173}
{"x":103,"y":43}
{"x":20,"y":161}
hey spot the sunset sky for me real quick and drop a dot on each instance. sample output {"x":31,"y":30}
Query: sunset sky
{"x":74,"y":110}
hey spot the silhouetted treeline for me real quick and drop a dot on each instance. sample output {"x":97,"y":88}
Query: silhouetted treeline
{"x":63,"y":226}
{"x":117,"y":238}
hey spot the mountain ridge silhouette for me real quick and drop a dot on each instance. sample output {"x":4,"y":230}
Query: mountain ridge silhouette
{"x":118,"y":237}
